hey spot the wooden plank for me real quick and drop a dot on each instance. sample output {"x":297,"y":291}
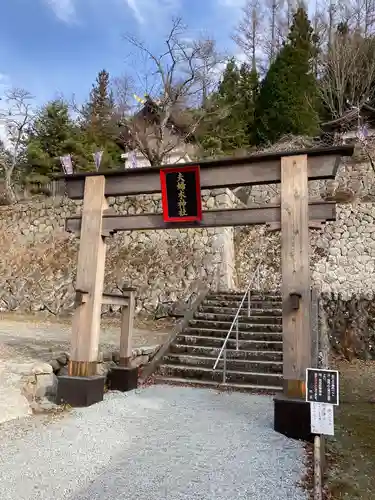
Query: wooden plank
{"x":213,"y":218}
{"x":112,"y":299}
{"x":247,"y":171}
{"x":295,"y":273}
{"x":313,"y":224}
{"x":115,"y":301}
{"x":126,"y":337}
{"x":90,"y":278}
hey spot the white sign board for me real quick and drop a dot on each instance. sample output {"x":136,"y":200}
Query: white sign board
{"x":98,"y":159}
{"x":67,"y":165}
{"x":322,"y":421}
{"x":322,"y":386}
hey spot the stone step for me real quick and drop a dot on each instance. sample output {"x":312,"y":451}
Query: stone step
{"x":256,"y":293}
{"x":217,"y":342}
{"x":242,"y":326}
{"x":202,"y":373}
{"x":242,"y":335}
{"x":232,"y":353}
{"x":243,"y":318}
{"x":232,"y":311}
{"x":214,"y":385}
{"x":235,"y":304}
{"x":242,"y":365}
{"x":237,"y":297}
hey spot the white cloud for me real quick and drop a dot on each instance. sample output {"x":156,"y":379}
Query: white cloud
{"x":152,"y":10}
{"x":4,"y":79}
{"x":65,"y":10}
{"x":236,"y":4}
{"x":132,"y":4}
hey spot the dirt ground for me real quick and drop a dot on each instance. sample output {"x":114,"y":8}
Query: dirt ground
{"x":351,"y":453}
{"x":41,"y":337}
{"x":26,"y":340}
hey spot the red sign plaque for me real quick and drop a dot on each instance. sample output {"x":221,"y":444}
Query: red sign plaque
{"x":181,"y":194}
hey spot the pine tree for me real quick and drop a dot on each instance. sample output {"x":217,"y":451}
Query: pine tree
{"x":98,"y":122}
{"x":54,"y":134}
{"x":98,"y":111}
{"x":231,"y":111}
{"x":219,"y":131}
{"x":228,"y":85}
{"x":248,"y":93}
{"x":288,"y":98}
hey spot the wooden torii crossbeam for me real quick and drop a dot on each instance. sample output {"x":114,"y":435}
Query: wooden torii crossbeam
{"x":319,"y":211}
{"x":291,"y":169}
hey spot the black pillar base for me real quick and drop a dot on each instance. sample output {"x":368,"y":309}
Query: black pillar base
{"x":80,"y":391}
{"x":122,"y":378}
{"x":292,"y":418}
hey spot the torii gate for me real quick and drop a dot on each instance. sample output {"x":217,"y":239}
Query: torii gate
{"x":293,"y":169}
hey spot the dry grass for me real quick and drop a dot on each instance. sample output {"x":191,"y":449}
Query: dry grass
{"x":351,"y":454}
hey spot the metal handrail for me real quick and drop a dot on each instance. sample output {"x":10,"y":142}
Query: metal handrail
{"x":235,"y":321}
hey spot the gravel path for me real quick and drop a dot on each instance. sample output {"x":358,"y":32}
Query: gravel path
{"x":24,"y":342}
{"x":157,"y":443}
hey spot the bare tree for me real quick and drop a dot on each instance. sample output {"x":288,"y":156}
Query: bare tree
{"x":348,"y":74}
{"x":208,"y":61}
{"x":164,"y":123}
{"x":123,"y":87}
{"x":273,"y":7}
{"x":361,"y":15}
{"x":16,"y":115}
{"x":278,"y":17}
{"x":249,"y":32}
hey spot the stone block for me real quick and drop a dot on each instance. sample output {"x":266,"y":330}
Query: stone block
{"x":41,"y":368}
{"x":46,"y":385}
{"x":80,"y":391}
{"x":123,"y":378}
{"x":292,"y":418}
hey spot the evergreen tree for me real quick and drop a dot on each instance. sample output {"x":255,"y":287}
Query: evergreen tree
{"x":230,"y":111}
{"x":54,"y":134}
{"x":99,"y":123}
{"x":248,"y":93}
{"x":288,"y":97}
{"x":99,"y":110}
{"x":228,"y":86}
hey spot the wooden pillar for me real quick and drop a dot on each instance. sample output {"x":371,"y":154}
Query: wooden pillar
{"x":126,"y":337}
{"x":90,"y":279}
{"x":295,"y":274}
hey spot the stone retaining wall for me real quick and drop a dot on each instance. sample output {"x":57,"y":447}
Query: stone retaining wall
{"x":38,"y":265}
{"x":342,"y":253}
{"x":355,"y":181}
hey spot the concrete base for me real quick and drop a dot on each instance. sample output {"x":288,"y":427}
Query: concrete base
{"x":122,"y":379}
{"x":80,"y":391}
{"x":292,"y":418}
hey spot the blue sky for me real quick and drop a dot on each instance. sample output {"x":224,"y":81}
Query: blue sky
{"x":51,"y":47}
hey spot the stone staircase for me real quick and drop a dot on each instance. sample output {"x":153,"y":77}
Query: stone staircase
{"x":256,"y":366}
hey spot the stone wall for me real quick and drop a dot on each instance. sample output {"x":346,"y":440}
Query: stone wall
{"x":37,"y":269}
{"x":355,"y":181}
{"x":350,"y":325}
{"x":38,"y":265}
{"x":342,"y":256}
{"x":342,"y":252}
